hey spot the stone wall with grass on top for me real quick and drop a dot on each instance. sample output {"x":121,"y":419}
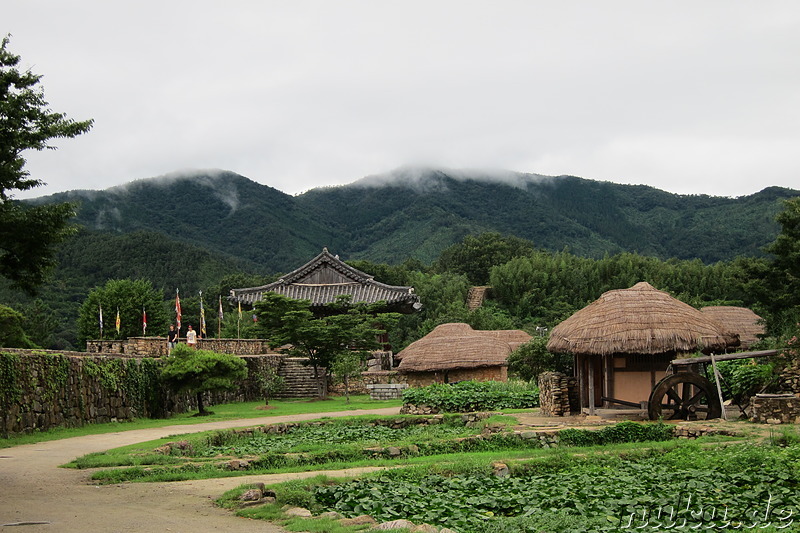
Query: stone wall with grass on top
{"x":41,"y":389}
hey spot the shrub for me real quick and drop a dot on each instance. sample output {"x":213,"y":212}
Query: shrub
{"x":626,"y":431}
{"x":200,"y":371}
{"x":469,"y":396}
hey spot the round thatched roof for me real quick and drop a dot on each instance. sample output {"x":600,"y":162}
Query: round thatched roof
{"x":639,"y":320}
{"x":739,"y":320}
{"x":457,"y":345}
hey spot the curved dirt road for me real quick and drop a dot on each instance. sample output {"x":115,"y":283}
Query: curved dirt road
{"x":36,"y":495}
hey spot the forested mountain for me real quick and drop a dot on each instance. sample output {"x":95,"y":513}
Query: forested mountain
{"x":214,"y":231}
{"x":418,"y":212}
{"x":222,"y":212}
{"x":90,"y":258}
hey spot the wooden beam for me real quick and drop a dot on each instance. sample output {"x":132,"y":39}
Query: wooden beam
{"x":591,"y":385}
{"x":724,"y":357}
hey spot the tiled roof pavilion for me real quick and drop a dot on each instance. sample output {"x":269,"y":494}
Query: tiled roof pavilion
{"x":326,"y":277}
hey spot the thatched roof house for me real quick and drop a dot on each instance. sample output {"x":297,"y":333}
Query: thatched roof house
{"x":323,"y":279}
{"x":739,"y":320}
{"x":456,"y":352}
{"x":639,"y":320}
{"x":624,"y":341}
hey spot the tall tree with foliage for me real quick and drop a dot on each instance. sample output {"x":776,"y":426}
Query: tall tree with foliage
{"x":443,"y":298}
{"x":349,"y":327}
{"x":532,"y":358}
{"x":782,"y":291}
{"x":200,"y":371}
{"x":28,"y":236}
{"x":346,"y":366}
{"x":11,"y":333}
{"x":477,"y":254}
{"x":130,"y":297}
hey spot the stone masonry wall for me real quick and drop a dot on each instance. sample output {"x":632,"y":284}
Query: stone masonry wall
{"x":157,"y":346}
{"x":40,"y":389}
{"x":558,"y":394}
{"x":384,"y":384}
{"x":789,"y":379}
{"x":775,"y":409}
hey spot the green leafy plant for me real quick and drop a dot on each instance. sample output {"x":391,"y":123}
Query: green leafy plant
{"x":270,"y":383}
{"x":469,"y":396}
{"x":532,"y":358}
{"x":626,"y":431}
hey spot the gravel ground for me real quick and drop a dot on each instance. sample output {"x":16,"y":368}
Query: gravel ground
{"x":36,"y":495}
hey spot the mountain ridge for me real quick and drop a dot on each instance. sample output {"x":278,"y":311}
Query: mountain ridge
{"x":417,"y":212}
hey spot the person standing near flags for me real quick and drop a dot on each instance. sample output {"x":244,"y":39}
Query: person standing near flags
{"x":191,"y":337}
{"x":172,"y":339}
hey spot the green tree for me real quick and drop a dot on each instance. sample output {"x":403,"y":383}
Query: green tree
{"x":28,"y":236}
{"x":12,"y":335}
{"x":40,"y":324}
{"x":781,"y":294}
{"x":270,"y":383}
{"x":532,"y":358}
{"x":443,"y":298}
{"x":346,"y":366}
{"x":131,"y":298}
{"x":199,"y":371}
{"x":477,"y":254}
{"x":351,"y":327}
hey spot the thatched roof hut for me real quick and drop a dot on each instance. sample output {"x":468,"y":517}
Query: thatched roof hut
{"x":457,"y":346}
{"x":740,"y":320}
{"x":638,"y":320}
{"x":623,"y":343}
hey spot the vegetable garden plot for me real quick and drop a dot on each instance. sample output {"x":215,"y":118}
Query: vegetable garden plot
{"x":732,"y":487}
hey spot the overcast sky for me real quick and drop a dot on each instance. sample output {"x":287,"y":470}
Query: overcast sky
{"x":693,"y":97}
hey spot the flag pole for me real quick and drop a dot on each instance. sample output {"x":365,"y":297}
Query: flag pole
{"x":239,"y":322}
{"x":178,"y":310}
{"x":202,"y":317}
{"x":219,"y":319}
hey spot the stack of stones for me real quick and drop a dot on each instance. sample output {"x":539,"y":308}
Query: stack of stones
{"x":775,"y":409}
{"x":411,"y":409}
{"x":790,"y":377}
{"x":694,"y":431}
{"x":557,"y":394}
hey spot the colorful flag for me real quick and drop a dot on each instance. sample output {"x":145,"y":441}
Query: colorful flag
{"x":202,"y":316}
{"x":144,"y":322}
{"x":255,"y":318}
{"x":220,"y":309}
{"x":117,"y":323}
{"x":178,"y":310}
{"x":240,"y":310}
{"x":101,"y":320}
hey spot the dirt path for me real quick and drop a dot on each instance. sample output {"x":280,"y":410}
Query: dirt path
{"x":36,"y":495}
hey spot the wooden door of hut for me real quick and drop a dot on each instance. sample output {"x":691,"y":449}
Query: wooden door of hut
{"x":590,"y":380}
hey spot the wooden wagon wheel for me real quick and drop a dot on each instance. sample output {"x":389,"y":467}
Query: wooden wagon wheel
{"x":684,"y":396}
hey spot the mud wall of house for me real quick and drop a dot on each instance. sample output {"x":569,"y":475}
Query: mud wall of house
{"x":489,"y":373}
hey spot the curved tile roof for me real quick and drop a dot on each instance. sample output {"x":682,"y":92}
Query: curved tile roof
{"x":325,"y":278}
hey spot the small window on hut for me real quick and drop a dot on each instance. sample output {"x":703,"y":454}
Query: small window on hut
{"x":620,"y":362}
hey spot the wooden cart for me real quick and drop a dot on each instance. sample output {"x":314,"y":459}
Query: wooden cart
{"x":686,"y":394}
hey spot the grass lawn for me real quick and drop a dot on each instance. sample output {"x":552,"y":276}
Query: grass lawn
{"x":231,"y":411}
